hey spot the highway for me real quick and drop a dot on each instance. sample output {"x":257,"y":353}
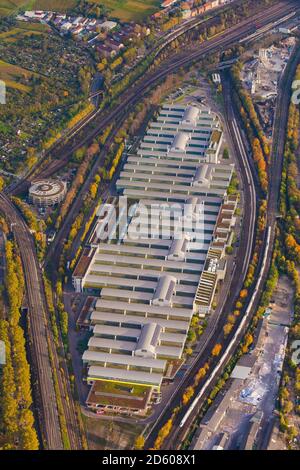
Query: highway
{"x":40,"y":341}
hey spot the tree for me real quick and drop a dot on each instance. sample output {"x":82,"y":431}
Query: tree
{"x":139,"y":442}
{"x":216,"y":349}
{"x":1,"y":183}
{"x":227,"y":328}
{"x":226,"y":153}
{"x":188,"y":393}
{"x":163,"y":433}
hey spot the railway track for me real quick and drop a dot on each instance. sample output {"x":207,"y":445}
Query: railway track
{"x":163,"y":42}
{"x":40,"y":342}
{"x":120,"y":112}
{"x":186,"y":418}
{"x":101,"y":118}
{"x":215,"y":328}
{"x":42,"y":371}
{"x":38,"y":316}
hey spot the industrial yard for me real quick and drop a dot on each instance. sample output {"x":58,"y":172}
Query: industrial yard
{"x":261,"y":77}
{"x":243,"y":413}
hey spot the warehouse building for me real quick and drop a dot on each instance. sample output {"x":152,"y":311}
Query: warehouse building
{"x":164,"y":266}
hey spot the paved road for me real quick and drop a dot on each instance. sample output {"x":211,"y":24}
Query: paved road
{"x":177,"y":435}
{"x":275,"y":178}
{"x":31,"y":269}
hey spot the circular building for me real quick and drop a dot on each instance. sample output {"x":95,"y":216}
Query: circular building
{"x":47,"y":192}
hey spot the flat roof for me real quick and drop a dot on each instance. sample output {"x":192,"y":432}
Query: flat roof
{"x":155,"y":281}
{"x":135,"y":307}
{"x":106,"y":393}
{"x":138,"y":320}
{"x":134,"y":333}
{"x":125,"y":376}
{"x":123,"y":359}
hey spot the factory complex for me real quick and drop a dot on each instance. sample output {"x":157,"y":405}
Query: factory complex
{"x":155,"y":257}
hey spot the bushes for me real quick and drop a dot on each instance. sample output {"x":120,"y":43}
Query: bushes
{"x":216,"y":350}
{"x":81,"y":172}
{"x":188,"y":394}
{"x":163,"y":434}
{"x":116,"y":160}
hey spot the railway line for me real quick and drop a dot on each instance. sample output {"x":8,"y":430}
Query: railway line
{"x":101,"y":118}
{"x":38,"y":316}
{"x":214,"y":334}
{"x":186,"y":418}
{"x":42,"y":372}
{"x":41,"y":343}
{"x":163,"y":42}
{"x":229,"y":37}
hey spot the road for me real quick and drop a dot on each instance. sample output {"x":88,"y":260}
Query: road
{"x":162,"y":43}
{"x":279,"y":138}
{"x":247,"y":235}
{"x":214,"y":330}
{"x":40,"y":342}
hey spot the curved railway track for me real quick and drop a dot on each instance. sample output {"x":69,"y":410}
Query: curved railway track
{"x":38,"y":316}
{"x":185,"y":419}
{"x":40,"y":341}
{"x":101,"y":119}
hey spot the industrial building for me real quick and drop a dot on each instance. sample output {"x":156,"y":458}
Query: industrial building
{"x":153,"y":277}
{"x":45,"y":193}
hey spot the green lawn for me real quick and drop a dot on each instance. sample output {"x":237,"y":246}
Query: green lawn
{"x":11,"y":75}
{"x":125,"y":10}
{"x":9,"y":7}
{"x":130,"y":10}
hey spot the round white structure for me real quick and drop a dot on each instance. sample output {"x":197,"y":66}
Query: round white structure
{"x":47,"y":192}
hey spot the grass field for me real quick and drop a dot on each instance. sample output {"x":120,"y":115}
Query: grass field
{"x":54,"y":5}
{"x":8,"y":7}
{"x":130,"y":10}
{"x":11,"y":75}
{"x":125,"y":10}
